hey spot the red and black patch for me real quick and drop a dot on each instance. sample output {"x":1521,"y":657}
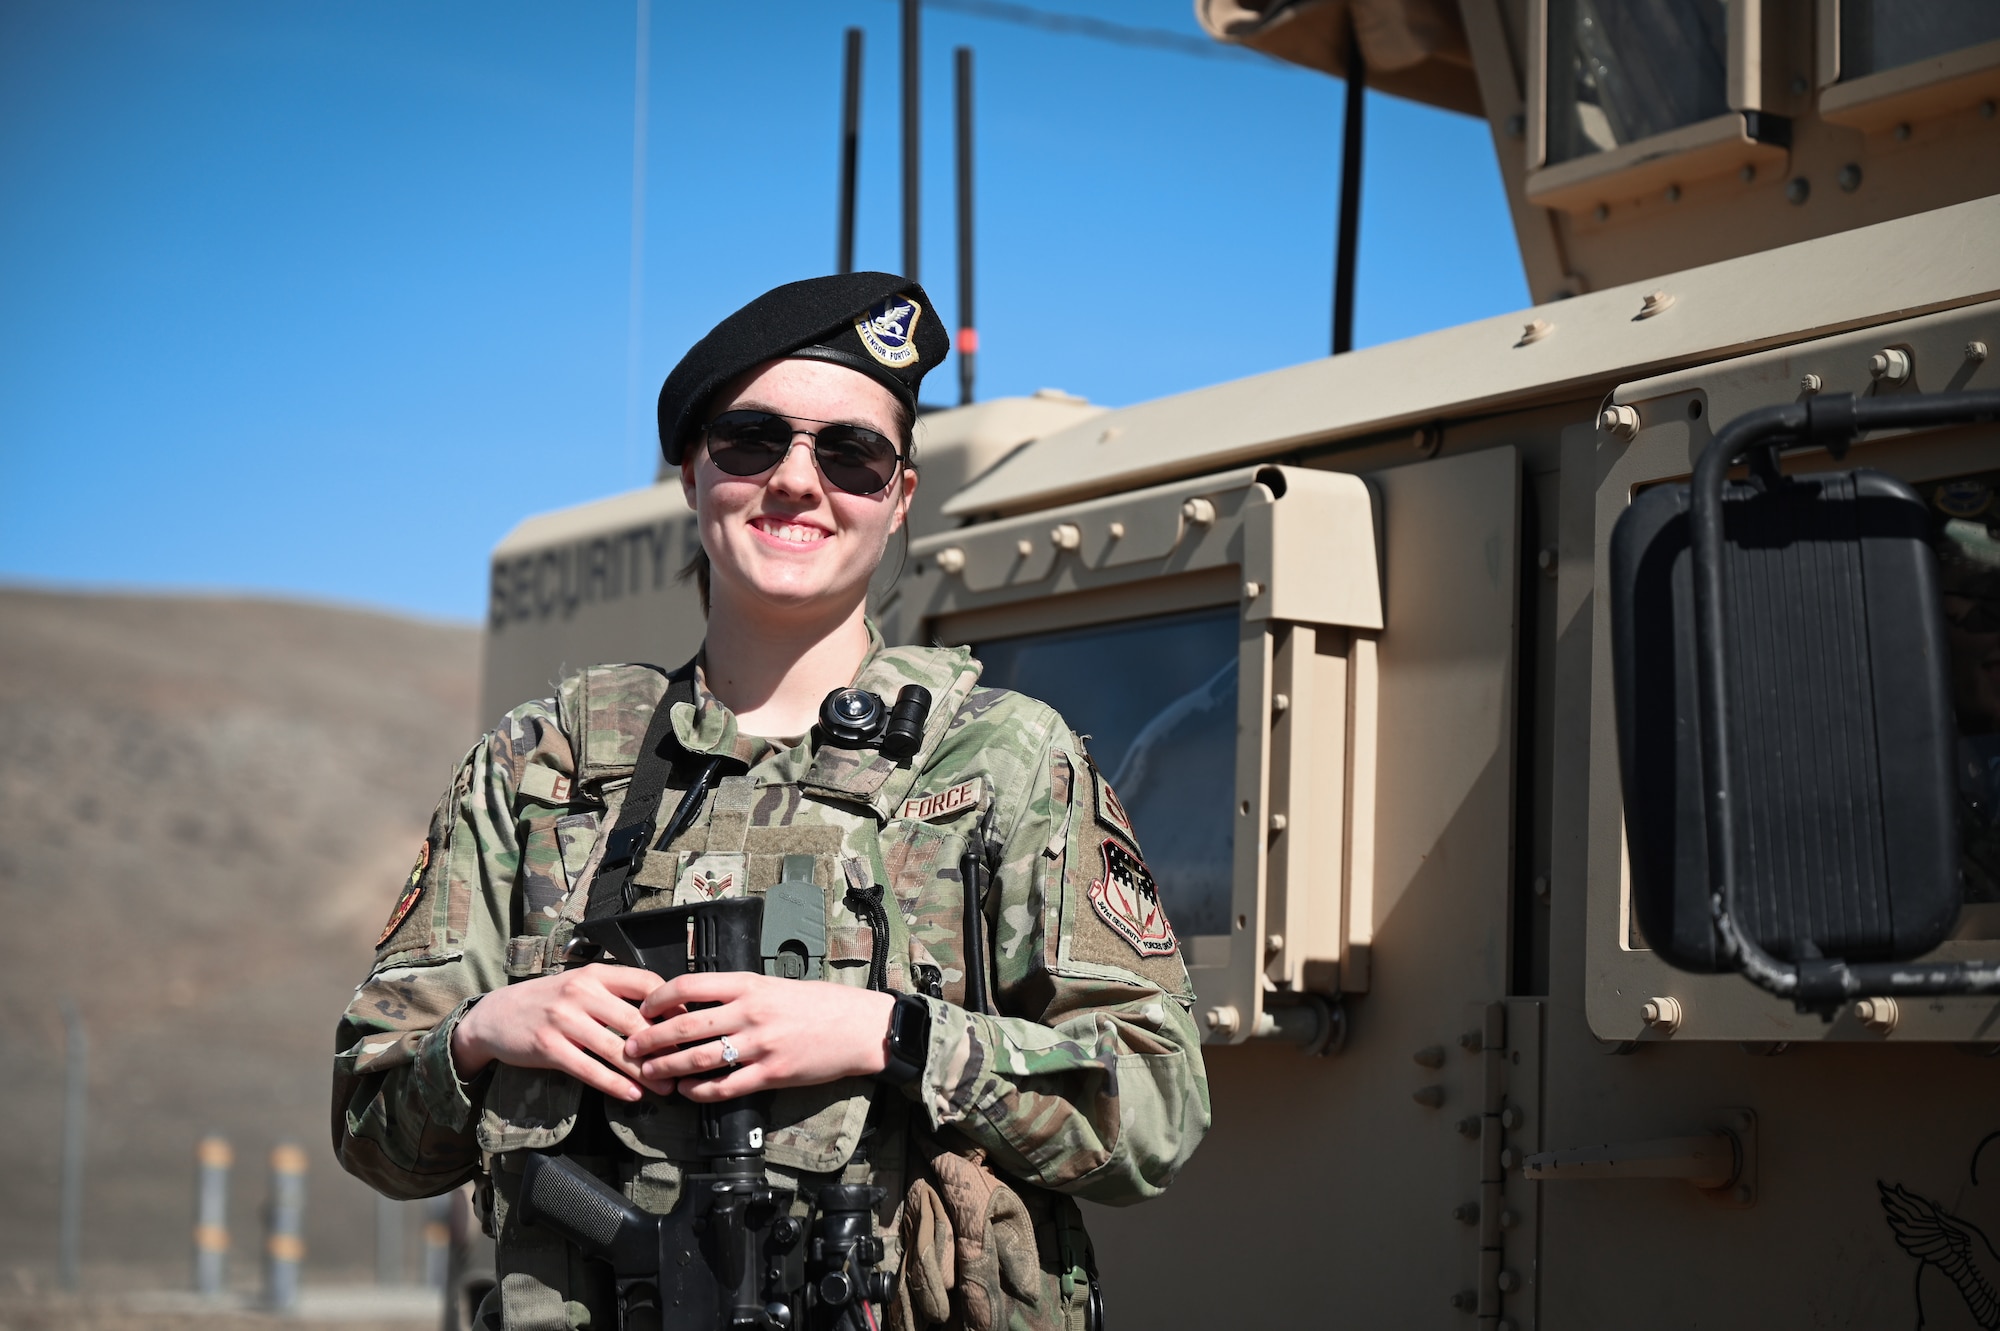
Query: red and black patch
{"x":1128,"y":900}
{"x":413,"y":889}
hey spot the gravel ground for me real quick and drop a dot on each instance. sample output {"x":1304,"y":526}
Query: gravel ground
{"x":55,"y":1313}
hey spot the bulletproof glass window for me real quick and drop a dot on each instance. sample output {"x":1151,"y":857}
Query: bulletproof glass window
{"x":1624,"y":70}
{"x":1878,"y":35}
{"x":1157,"y":699}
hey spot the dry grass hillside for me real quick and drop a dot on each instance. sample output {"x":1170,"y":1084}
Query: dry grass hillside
{"x":207,"y":807}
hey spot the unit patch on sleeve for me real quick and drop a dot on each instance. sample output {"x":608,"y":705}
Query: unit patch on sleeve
{"x":962,"y":796}
{"x":1127,"y":899}
{"x":413,"y":888}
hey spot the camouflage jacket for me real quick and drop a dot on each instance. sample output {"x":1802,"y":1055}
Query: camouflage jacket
{"x":1089,"y":1084}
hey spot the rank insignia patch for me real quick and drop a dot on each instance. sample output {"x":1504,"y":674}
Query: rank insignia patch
{"x":1127,"y":899}
{"x":710,"y":876}
{"x":412,"y":890}
{"x":888,"y":329}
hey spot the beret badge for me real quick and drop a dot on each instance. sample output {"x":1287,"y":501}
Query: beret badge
{"x":888,"y":330}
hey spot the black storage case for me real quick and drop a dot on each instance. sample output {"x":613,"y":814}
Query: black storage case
{"x":1843,"y":732}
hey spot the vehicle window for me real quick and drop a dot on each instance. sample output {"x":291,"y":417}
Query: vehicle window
{"x":1621,"y":71}
{"x":1885,"y":34}
{"x":1157,"y":699}
{"x":1967,"y":510}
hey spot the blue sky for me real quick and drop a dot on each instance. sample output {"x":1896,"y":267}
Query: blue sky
{"x":320,"y":299}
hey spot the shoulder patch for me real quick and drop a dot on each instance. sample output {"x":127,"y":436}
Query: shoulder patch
{"x":944,"y":803}
{"x":1109,"y":811}
{"x":413,"y":889}
{"x":1127,"y":899}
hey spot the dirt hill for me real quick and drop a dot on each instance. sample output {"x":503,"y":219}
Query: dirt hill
{"x":207,"y":807}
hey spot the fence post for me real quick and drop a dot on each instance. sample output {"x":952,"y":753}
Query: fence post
{"x":211,"y":1215}
{"x":69,"y":1241}
{"x":285,"y":1244}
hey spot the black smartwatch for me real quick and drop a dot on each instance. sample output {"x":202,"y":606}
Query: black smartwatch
{"x":909,"y":1040}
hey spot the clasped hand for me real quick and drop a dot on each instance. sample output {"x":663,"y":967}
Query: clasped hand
{"x":624,"y":1031}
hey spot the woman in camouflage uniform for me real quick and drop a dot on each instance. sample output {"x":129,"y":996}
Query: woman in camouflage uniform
{"x":480,"y":1035}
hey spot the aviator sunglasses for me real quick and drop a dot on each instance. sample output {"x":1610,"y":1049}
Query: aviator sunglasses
{"x":852,"y":457}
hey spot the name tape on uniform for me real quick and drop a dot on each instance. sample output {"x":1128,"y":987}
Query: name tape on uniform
{"x":946,"y":802}
{"x":545,"y":785}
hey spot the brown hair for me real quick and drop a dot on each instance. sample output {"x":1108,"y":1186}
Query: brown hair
{"x":696,"y":570}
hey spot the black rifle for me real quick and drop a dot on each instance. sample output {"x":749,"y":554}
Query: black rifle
{"x":730,"y":1255}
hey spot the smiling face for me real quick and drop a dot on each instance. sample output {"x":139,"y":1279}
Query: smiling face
{"x":787,"y":545}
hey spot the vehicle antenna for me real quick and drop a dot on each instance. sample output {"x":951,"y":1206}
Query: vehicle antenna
{"x":850,"y":147}
{"x":1350,"y":195}
{"x":912,"y":56}
{"x":968,"y":331}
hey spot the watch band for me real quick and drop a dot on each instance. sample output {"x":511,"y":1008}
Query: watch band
{"x":909,"y":1040}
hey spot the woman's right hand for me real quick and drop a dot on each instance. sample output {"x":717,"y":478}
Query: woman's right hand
{"x":575,"y":1022}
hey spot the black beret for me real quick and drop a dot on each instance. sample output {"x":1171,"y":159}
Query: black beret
{"x":878,"y":324}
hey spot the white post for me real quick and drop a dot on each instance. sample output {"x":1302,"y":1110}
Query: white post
{"x":211,"y":1215}
{"x":285,"y":1243}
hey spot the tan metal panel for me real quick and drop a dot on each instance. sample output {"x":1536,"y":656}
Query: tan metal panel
{"x":1324,"y":1193}
{"x":1904,"y":266}
{"x":1312,"y":555}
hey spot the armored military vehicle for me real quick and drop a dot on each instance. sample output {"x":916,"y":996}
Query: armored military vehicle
{"x":1343,"y":637}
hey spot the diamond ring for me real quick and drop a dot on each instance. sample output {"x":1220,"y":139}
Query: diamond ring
{"x":729,"y":1054}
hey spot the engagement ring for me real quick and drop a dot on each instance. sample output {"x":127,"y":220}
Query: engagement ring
{"x":729,"y":1054}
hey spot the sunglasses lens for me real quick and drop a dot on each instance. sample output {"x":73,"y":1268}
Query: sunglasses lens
{"x":857,"y":460}
{"x":747,"y":443}
{"x":750,"y":443}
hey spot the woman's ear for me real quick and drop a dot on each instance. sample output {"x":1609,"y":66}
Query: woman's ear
{"x":909,"y":490}
{"x":687,"y":477}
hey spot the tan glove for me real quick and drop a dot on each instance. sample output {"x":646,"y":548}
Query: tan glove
{"x":923,"y":1287}
{"x":968,"y":1248}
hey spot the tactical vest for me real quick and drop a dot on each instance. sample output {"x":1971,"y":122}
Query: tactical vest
{"x":804,"y":825}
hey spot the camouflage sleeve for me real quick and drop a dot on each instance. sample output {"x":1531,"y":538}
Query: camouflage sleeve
{"x":1092,"y":1083}
{"x":403,"y":1118}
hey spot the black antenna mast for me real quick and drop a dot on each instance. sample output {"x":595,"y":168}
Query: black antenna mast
{"x":1350,"y":196}
{"x":850,"y":147}
{"x":968,"y":332}
{"x":912,"y":18}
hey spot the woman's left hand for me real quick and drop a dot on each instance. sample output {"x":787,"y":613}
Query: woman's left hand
{"x":784,"y":1032}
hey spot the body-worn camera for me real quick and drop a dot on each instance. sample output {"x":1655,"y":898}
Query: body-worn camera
{"x":858,"y":719}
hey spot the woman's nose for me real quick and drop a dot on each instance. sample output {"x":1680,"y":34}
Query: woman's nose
{"x":797,"y":473}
